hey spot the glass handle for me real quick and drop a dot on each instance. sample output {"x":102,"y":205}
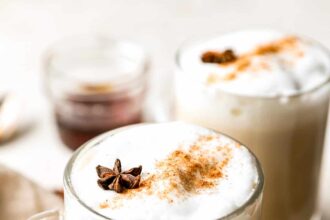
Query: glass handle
{"x":47,"y":215}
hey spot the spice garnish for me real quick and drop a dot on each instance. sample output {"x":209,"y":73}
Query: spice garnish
{"x":183,"y":172}
{"x":244,"y":61}
{"x":227,"y":56}
{"x":115,"y":179}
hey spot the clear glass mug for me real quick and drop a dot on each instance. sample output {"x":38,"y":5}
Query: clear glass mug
{"x":286,"y":133}
{"x":76,"y":209}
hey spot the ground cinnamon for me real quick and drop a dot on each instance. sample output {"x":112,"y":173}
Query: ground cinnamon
{"x":244,"y":62}
{"x":184,"y":172}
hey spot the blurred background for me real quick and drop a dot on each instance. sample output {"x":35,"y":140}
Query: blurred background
{"x":28,"y":28}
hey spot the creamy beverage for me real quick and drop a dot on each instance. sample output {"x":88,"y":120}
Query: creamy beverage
{"x":269,"y":90}
{"x":179,"y":171}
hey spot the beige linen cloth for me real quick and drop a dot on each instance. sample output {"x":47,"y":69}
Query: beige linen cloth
{"x":20,"y":198}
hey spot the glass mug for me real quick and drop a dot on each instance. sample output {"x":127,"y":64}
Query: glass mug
{"x":75,"y":208}
{"x":286,"y":133}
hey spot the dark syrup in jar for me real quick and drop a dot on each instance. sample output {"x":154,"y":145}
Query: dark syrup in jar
{"x":82,"y":117}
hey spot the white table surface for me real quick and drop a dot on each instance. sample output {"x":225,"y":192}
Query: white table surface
{"x":28,"y":27}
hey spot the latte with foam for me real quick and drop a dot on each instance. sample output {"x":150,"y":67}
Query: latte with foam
{"x":269,"y":90}
{"x":188,"y":172}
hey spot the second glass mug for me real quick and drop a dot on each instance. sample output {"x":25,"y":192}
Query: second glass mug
{"x":76,"y":209}
{"x":286,"y":133}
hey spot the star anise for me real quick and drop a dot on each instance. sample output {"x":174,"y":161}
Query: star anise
{"x":115,"y":179}
{"x":227,"y":56}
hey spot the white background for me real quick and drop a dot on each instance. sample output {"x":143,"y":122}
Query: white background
{"x":27,"y":28}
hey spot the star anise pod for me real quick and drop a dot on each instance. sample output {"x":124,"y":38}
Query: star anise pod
{"x":227,"y":56}
{"x":115,"y":179}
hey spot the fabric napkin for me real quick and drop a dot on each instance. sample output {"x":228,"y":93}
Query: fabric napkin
{"x":20,"y":198}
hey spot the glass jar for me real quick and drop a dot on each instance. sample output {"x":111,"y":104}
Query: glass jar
{"x":95,"y":84}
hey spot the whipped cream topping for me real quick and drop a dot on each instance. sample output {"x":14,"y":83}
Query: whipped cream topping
{"x":189,"y":172}
{"x":269,"y":63}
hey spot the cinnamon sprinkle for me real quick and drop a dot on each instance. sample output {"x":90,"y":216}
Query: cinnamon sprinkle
{"x":104,"y":205}
{"x":244,"y":62}
{"x":191,"y":171}
{"x":276,"y":46}
{"x":183,"y":172}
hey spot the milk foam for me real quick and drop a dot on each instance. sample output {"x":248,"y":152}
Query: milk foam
{"x":148,"y":145}
{"x":300,"y":68}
